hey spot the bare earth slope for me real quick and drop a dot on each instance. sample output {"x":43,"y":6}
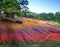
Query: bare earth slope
{"x":31,"y":30}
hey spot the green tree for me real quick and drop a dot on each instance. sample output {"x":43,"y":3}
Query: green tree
{"x":43,"y":16}
{"x":57,"y":16}
{"x":23,"y":6}
{"x":50,"y":16}
{"x":10,"y":7}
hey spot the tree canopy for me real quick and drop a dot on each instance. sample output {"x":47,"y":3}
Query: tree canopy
{"x":11,"y":7}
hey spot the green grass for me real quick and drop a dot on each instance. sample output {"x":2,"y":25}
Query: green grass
{"x":55,"y":23}
{"x":43,"y":44}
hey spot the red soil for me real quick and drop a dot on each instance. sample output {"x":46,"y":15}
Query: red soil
{"x":29,"y":30}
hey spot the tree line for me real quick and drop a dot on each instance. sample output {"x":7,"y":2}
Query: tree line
{"x":45,"y":16}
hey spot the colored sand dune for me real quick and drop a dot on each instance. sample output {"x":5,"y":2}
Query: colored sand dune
{"x":31,"y":30}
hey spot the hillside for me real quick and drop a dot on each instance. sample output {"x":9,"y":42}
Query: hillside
{"x":30,"y":30}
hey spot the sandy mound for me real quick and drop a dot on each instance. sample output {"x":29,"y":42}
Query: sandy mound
{"x":29,"y":30}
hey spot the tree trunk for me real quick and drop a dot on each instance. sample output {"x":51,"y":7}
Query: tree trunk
{"x":10,"y":15}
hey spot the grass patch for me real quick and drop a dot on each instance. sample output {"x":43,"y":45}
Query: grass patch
{"x":55,"y":23}
{"x":26,"y":44}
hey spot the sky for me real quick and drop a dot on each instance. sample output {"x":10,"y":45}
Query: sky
{"x":41,"y":6}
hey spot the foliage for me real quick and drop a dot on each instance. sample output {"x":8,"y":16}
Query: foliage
{"x":45,"y":16}
{"x":12,"y":7}
{"x":40,"y":44}
{"x":23,"y":6}
{"x":9,"y":5}
{"x":55,"y":23}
